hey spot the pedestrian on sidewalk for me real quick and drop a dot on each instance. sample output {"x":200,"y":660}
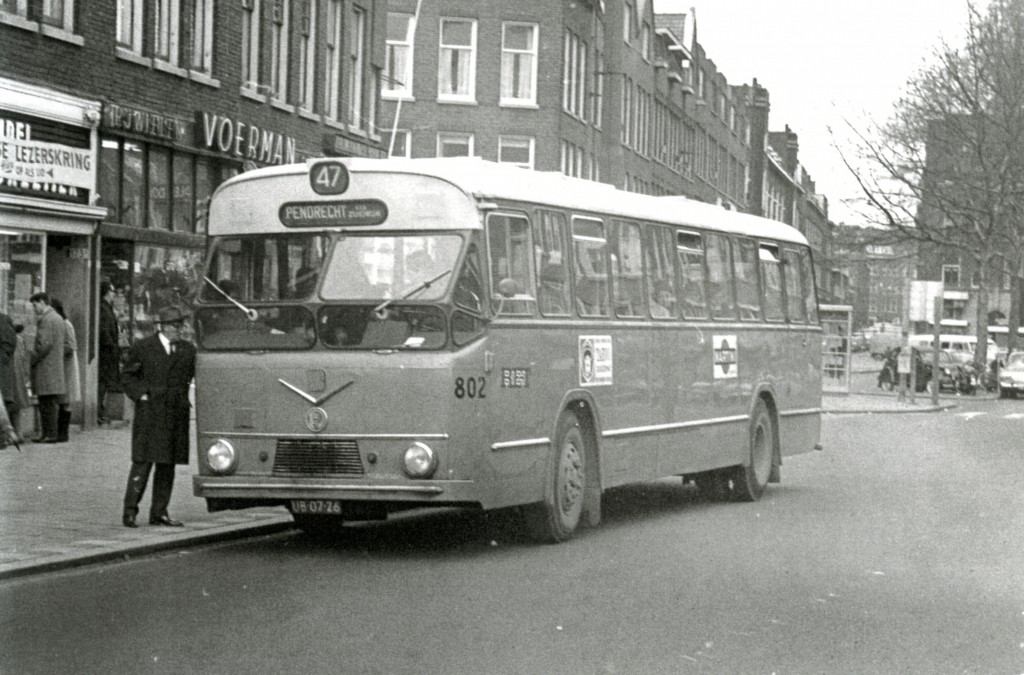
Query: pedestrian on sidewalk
{"x":157,"y":375}
{"x":72,"y":386}
{"x":109,"y":351}
{"x":22,"y":368}
{"x":8,"y":345}
{"x":48,"y":365}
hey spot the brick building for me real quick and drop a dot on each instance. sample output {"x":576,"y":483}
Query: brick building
{"x":120,"y":121}
{"x":600,"y":90}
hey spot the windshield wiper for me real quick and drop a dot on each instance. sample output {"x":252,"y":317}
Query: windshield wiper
{"x":381,"y":309}
{"x":250,"y":313}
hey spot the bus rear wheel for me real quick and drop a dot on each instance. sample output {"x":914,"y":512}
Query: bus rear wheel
{"x":556,"y":518}
{"x":749,"y":481}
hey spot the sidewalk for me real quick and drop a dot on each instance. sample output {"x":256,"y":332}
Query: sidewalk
{"x":60,"y":506}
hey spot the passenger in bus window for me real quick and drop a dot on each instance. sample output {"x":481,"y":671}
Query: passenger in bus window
{"x":663,"y":300}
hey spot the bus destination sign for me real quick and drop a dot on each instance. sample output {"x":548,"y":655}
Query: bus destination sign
{"x":351,"y":213}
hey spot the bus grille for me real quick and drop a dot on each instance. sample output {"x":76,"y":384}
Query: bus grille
{"x":313,"y":457}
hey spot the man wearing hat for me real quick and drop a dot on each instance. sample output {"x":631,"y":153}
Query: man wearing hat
{"x":157,"y":375}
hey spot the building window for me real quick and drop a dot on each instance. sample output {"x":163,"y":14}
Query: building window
{"x":628,"y":22}
{"x":516,"y":150}
{"x":59,"y":13}
{"x":398,"y":70}
{"x":518,"y":63}
{"x":454,"y":145}
{"x":645,"y":41}
{"x":356,"y":45}
{"x":165,"y":43}
{"x":279,"y":49}
{"x":129,"y":25}
{"x":307,"y":54}
{"x":951,"y":276}
{"x":332,"y":60}
{"x":397,"y":143}
{"x":456,"y":73}
{"x":202,"y":36}
{"x":250,"y":43}
{"x":597,"y":107}
{"x":574,"y":89}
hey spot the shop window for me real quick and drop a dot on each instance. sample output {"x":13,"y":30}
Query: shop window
{"x":21,"y":275}
{"x":163,"y":277}
{"x":132,"y":187}
{"x":178,"y":185}
{"x":159,"y":189}
{"x":181,"y":191}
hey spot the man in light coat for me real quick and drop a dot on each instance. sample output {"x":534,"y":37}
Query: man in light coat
{"x":48,"y":365}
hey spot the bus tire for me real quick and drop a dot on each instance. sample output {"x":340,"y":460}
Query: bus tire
{"x":556,"y":518}
{"x":750,"y":480}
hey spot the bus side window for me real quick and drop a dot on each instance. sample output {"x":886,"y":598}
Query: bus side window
{"x":661,"y":274}
{"x":796,"y":311}
{"x":810,"y":294}
{"x":720,"y":277}
{"x":552,"y":277}
{"x":627,"y":269}
{"x":690,"y":253}
{"x":748,"y":291}
{"x":468,"y":291}
{"x":771,"y":275}
{"x":590,"y":254}
{"x":508,"y":237}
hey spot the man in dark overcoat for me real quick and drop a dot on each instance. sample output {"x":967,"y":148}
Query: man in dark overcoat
{"x":109,"y":352}
{"x":157,"y":375}
{"x":48,"y":354}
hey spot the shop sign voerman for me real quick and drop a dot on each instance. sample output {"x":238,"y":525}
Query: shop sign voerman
{"x":244,"y":141}
{"x":45,"y":159}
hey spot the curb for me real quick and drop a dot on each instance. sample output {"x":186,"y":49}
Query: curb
{"x":892,"y":411}
{"x":125,"y":551}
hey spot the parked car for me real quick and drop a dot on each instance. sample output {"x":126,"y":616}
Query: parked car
{"x":1011,"y":376}
{"x":953,"y":374}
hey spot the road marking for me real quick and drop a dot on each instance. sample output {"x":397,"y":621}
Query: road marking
{"x":1014,"y":416}
{"x":971,"y":415}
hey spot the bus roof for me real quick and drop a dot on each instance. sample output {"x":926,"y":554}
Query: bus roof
{"x":485,"y":180}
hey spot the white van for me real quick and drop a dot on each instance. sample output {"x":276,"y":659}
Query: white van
{"x":962,"y":347}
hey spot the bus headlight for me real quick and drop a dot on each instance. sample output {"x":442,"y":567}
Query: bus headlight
{"x":221,"y":456}
{"x":419,"y":461}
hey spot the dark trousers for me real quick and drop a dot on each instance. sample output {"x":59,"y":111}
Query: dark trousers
{"x":49,"y":406}
{"x":163,"y":483}
{"x":101,"y":399}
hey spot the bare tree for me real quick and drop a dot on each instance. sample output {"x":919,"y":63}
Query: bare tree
{"x":947,"y":170}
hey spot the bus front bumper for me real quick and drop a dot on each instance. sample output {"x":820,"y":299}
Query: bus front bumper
{"x":263,"y":490}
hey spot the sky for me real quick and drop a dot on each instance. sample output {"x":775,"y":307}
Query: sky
{"x":823,"y":62}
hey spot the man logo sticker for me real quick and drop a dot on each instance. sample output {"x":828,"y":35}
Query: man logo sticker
{"x":595,"y":360}
{"x":726,"y":357}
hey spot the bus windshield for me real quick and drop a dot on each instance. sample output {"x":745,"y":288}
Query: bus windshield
{"x":390,"y":267}
{"x":286,"y":292}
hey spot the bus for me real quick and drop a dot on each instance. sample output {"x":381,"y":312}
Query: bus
{"x":377,"y":335}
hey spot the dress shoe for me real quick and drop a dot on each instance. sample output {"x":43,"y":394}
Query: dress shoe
{"x":45,"y":440}
{"x":165,"y":520}
{"x":128,"y":520}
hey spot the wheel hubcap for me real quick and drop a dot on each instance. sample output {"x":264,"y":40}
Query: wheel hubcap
{"x":570,"y":478}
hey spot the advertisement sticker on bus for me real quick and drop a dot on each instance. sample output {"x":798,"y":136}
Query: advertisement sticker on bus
{"x":595,"y":360}
{"x":726,"y":357}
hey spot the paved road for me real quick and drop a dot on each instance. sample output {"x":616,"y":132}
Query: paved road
{"x":897,"y":550}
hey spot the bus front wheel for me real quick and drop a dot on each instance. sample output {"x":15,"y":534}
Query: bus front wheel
{"x":556,"y":518}
{"x":750,"y":480}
